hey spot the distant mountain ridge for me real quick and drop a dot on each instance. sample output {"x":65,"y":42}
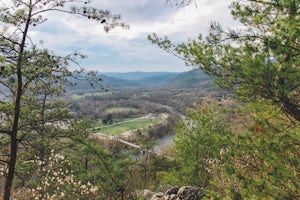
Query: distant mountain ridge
{"x":190,"y":79}
{"x":138,"y":75}
{"x":193,"y":78}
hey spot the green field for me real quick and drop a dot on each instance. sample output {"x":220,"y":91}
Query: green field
{"x":118,"y":129}
{"x":121,"y":109}
{"x":79,"y":96}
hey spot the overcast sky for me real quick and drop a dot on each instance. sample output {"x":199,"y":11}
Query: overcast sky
{"x":123,"y":50}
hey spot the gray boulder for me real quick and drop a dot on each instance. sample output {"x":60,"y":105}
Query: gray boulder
{"x":170,"y":197}
{"x":174,"y":193}
{"x":158,"y":196}
{"x":190,"y":193}
{"x":144,"y":193}
{"x":173,"y":190}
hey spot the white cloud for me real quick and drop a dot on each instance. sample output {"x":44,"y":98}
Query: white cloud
{"x":188,"y":21}
{"x":62,"y":32}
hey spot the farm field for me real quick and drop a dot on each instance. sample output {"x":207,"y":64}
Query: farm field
{"x":120,"y":109}
{"x":119,"y":128}
{"x":83,"y":95}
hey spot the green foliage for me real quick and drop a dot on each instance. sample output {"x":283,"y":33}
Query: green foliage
{"x":159,"y":170}
{"x":267,"y":157}
{"x":202,"y":141}
{"x":112,"y":173}
{"x":270,"y":165}
{"x":259,"y":61}
{"x":32,"y":78}
{"x":108,"y":119}
{"x":259,"y":161}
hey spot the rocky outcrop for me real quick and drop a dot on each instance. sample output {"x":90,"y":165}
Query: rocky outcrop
{"x":190,"y":193}
{"x":157,"y":196}
{"x":175,"y":193}
{"x":145,"y":193}
{"x":173,"y":190}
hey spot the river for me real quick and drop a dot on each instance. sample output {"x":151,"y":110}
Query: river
{"x":166,"y":140}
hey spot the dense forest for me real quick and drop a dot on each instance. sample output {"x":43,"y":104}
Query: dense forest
{"x":68,"y":134}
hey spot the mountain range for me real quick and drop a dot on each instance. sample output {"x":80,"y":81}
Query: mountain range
{"x":189,"y":79}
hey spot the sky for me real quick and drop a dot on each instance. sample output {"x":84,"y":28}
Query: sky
{"x":125,"y":50}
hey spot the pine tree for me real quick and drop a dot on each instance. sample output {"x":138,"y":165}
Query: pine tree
{"x":29,"y":76}
{"x":259,"y":61}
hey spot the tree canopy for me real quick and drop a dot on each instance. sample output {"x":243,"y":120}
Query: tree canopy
{"x":258,"y":61}
{"x":260,"y":64}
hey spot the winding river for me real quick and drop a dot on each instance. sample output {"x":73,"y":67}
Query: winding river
{"x":166,"y":140}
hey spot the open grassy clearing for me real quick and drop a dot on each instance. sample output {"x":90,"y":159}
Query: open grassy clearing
{"x":115,"y":121}
{"x":79,"y":96}
{"x":121,"y":109}
{"x":120,"y":128}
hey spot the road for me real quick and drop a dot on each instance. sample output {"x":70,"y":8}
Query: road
{"x":113,"y":138}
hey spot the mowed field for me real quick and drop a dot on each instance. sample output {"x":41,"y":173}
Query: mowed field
{"x":119,"y":128}
{"x":83,"y":95}
{"x":120,"y":110}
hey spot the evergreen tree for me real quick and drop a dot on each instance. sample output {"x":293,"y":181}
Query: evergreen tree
{"x":259,"y":61}
{"x":112,"y":173}
{"x":266,"y":155}
{"x":31,"y":77}
{"x":202,"y":141}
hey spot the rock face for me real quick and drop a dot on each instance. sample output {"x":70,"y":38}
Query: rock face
{"x":175,"y":193}
{"x":171,"y":191}
{"x":189,"y":193}
{"x":157,"y":196}
{"x":145,"y":193}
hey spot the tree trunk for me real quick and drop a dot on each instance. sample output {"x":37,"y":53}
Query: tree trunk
{"x":11,"y":167}
{"x":17,"y":107}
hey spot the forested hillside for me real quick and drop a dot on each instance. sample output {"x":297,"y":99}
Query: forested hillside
{"x":228,"y":129}
{"x":190,"y":79}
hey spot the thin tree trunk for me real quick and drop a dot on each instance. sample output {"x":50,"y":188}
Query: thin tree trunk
{"x":17,"y":107}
